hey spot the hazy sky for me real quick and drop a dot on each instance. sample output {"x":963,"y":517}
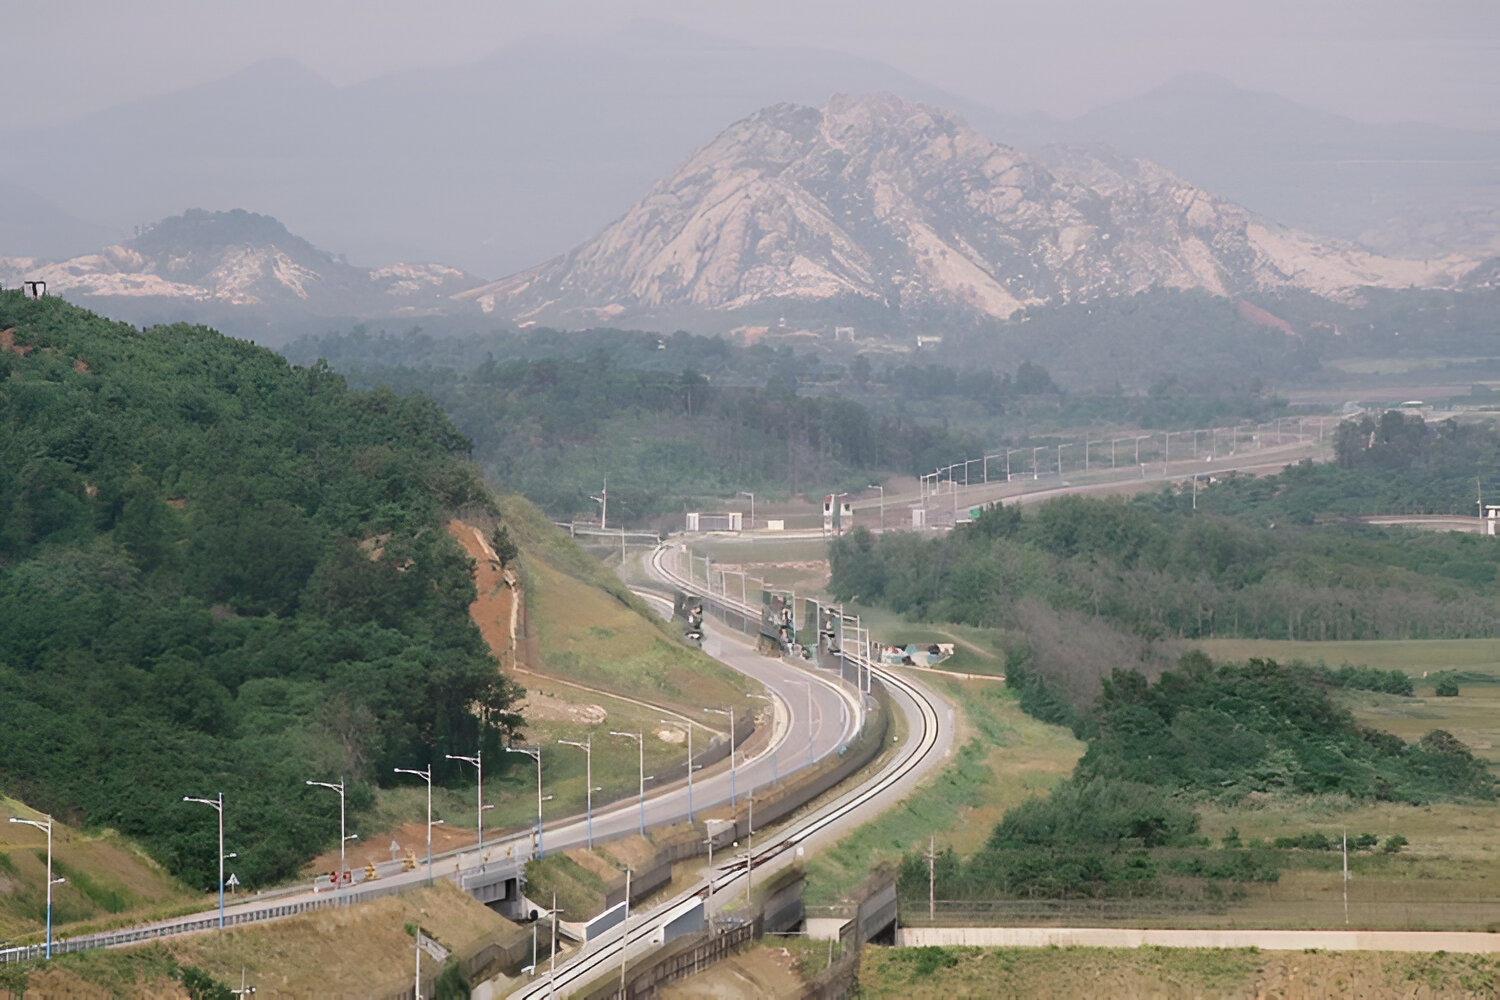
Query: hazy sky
{"x":1375,"y":60}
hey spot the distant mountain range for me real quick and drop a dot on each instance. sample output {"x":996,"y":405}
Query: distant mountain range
{"x":501,"y":163}
{"x":878,"y":204}
{"x":201,"y":265}
{"x":872,"y":211}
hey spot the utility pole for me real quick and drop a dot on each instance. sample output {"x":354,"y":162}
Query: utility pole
{"x":931,"y":877}
{"x":603,"y":500}
{"x":587,"y":746}
{"x":552,"y":957}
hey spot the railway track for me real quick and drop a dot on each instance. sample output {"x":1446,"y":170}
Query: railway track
{"x":640,"y":934}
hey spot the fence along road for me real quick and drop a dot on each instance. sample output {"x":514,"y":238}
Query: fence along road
{"x":832,"y":724}
{"x":929,"y":741}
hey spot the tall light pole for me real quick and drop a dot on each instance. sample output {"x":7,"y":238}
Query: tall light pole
{"x":47,"y":826}
{"x":536,"y":752}
{"x":878,"y":486}
{"x":588,"y":771}
{"x":640,"y":739}
{"x":1059,"y":458}
{"x":342,"y":838}
{"x":218,"y":806}
{"x":747,"y":493}
{"x":729,"y":712}
{"x":426,"y":776}
{"x":673,"y":722}
{"x":478,"y":761}
{"x":1036,"y":472}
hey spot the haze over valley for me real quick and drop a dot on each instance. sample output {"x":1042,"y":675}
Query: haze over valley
{"x":576,"y":486}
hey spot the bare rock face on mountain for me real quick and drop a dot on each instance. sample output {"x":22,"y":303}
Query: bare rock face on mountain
{"x":239,"y":259}
{"x":896,"y":205}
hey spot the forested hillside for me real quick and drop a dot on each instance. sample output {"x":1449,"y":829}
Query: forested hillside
{"x":554,"y":426}
{"x":1125,"y":822}
{"x":219,"y":572}
{"x":1174,"y":573}
{"x":1391,"y":464}
{"x":683,"y":419}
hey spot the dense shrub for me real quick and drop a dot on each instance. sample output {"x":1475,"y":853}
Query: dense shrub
{"x":220,"y":573}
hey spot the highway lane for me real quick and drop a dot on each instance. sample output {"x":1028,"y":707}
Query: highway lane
{"x":927,"y":746}
{"x":831,"y":725}
{"x":795,"y":691}
{"x":1027,"y":490}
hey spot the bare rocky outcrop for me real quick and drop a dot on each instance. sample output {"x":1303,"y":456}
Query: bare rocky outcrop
{"x":239,"y":259}
{"x":902,"y":206}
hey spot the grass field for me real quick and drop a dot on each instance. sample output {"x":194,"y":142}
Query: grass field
{"x":361,"y":950}
{"x":110,"y":881}
{"x":1139,"y":973}
{"x":588,"y":637}
{"x":793,"y":564}
{"x":1473,"y":716}
{"x":1414,"y":656}
{"x":975,"y":650}
{"x":1004,"y":758}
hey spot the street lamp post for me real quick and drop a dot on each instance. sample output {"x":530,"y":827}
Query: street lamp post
{"x":478,"y":761}
{"x":877,"y":486}
{"x":671,"y":722}
{"x":47,"y":827}
{"x":587,"y":747}
{"x":1059,"y":458}
{"x":218,"y":806}
{"x":729,"y":712}
{"x":342,"y":838}
{"x":640,"y":739}
{"x":536,"y":752}
{"x":1035,"y":471}
{"x":426,"y":776}
{"x":747,"y":493}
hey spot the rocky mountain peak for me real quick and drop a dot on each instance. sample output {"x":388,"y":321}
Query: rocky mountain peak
{"x":905,"y":208}
{"x":239,"y":258}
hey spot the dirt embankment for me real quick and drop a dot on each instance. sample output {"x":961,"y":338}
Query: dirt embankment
{"x":497,"y":609}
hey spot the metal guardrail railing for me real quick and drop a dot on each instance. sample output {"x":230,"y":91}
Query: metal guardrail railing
{"x":274,"y":911}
